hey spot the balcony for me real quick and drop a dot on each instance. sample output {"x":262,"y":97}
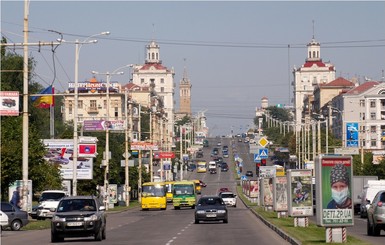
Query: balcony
{"x":92,"y":110}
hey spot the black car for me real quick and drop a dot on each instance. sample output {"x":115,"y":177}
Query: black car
{"x":78,"y":216}
{"x":224,"y":167}
{"x":249,"y":173}
{"x":211,"y":208}
{"x":17,"y":218}
{"x":213,"y":170}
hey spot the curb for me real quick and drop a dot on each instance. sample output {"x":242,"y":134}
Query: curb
{"x":280,"y":232}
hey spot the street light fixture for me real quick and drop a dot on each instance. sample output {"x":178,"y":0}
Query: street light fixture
{"x":78,"y":45}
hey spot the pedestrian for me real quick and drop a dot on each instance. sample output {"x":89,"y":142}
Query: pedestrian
{"x":15,"y":200}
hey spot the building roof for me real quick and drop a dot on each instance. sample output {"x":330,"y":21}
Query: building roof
{"x":339,"y":82}
{"x":362,"y":88}
{"x":157,"y":66}
{"x":317,"y":63}
{"x":134,"y":87}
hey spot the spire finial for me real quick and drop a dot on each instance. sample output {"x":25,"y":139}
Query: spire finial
{"x":313,"y":29}
{"x":184,"y":70}
{"x":153,"y":32}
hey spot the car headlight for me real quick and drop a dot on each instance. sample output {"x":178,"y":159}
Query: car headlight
{"x":200,"y":212}
{"x":93,"y":217}
{"x":221,"y":211}
{"x":57,"y":218}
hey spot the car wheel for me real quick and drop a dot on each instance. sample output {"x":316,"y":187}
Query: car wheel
{"x":193,"y":206}
{"x":176,"y":208}
{"x":16,"y":225}
{"x":369,"y":230}
{"x":56,"y":238}
{"x":376,"y":230}
{"x":104,"y":236}
{"x":196,"y":221}
{"x":99,"y":235}
{"x":225,"y":221}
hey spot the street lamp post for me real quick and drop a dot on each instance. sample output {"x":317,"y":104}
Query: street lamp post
{"x":78,"y":45}
{"x":107,"y":150}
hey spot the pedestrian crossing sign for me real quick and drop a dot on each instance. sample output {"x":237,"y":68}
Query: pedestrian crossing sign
{"x":257,"y":158}
{"x":263,"y":153}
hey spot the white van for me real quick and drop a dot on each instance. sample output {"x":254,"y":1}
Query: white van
{"x":370,"y":191}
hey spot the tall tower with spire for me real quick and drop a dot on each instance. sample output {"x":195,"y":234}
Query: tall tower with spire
{"x":185,"y":94}
{"x":308,"y":76}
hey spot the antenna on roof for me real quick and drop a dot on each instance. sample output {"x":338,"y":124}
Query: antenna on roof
{"x":313,"y":29}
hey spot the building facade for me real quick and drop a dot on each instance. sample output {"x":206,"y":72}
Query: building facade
{"x":309,"y":75}
{"x":185,"y":95}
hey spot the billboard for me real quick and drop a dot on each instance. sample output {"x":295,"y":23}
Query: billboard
{"x":351,"y":134}
{"x":102,"y":125}
{"x":9,"y":103}
{"x":254,"y":188}
{"x":334,"y":191}
{"x":267,"y":171}
{"x":60,"y":151}
{"x":142,"y":145}
{"x":300,"y":192}
{"x":280,"y":193}
{"x":267,"y":191}
{"x":15,"y":194}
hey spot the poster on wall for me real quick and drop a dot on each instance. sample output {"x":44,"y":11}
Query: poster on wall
{"x":351,"y":134}
{"x":334,"y":191}
{"x":300,"y":192}
{"x":280,"y":193}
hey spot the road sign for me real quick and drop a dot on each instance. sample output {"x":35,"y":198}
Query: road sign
{"x":257,"y":158}
{"x":346,"y":151}
{"x":263,"y":142}
{"x":128,"y":155}
{"x":263,"y":153}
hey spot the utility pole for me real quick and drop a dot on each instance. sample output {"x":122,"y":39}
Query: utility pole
{"x":140,"y":158}
{"x":126,"y":154}
{"x":181,"y":152}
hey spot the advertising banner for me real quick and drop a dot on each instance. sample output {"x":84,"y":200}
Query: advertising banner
{"x":351,"y":134}
{"x":113,"y":192}
{"x":9,"y":103}
{"x":280,"y":193}
{"x":300,"y":192}
{"x":254,"y":188}
{"x":102,"y":125}
{"x":334,"y":191}
{"x":267,"y":171}
{"x":267,"y":191}
{"x":142,"y":145}
{"x":60,"y":151}
{"x":15,"y":194}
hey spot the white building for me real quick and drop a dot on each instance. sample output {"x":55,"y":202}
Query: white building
{"x":159,"y":78}
{"x":310,"y":74}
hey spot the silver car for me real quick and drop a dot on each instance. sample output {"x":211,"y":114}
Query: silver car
{"x":376,"y":215}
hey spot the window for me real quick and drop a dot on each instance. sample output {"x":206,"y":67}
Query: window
{"x":105,"y":104}
{"x":363,"y":143}
{"x":373,"y":143}
{"x":116,"y":112}
{"x":362,"y":103}
{"x":70,"y":107}
{"x":372,"y":129}
{"x":142,"y":80}
{"x":80,"y":104}
{"x":373,"y":116}
{"x":162,"y":89}
{"x":162,"y":80}
{"x":93,"y":104}
{"x":372,"y":103}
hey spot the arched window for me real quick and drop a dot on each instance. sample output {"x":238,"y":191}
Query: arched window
{"x":309,"y":54}
{"x":314,"y":54}
{"x":157,"y":56}
{"x":153,"y":56}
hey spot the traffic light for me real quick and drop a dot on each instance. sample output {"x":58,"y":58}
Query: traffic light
{"x":263,"y":162}
{"x":257,"y":169}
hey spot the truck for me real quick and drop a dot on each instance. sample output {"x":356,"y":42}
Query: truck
{"x":370,"y":191}
{"x":359,"y":183}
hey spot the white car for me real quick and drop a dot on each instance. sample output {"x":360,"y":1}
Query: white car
{"x":229,"y":198}
{"x":3,"y":219}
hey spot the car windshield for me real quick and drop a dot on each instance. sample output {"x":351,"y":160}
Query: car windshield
{"x":155,"y":191}
{"x":76,"y":205}
{"x":51,"y":196}
{"x":183,"y":190}
{"x":210,"y":201}
{"x":227,"y":195}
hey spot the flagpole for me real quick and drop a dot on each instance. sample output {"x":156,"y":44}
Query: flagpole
{"x":52,"y":116}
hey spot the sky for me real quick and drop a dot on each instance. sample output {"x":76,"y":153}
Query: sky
{"x":234,"y":52}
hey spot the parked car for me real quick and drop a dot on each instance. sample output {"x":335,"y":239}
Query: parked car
{"x":48,"y":202}
{"x":249,"y":173}
{"x":17,"y":218}
{"x":376,"y":215}
{"x":3,"y":219}
{"x":211,"y":208}
{"x":229,"y":198}
{"x":79,"y":216}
